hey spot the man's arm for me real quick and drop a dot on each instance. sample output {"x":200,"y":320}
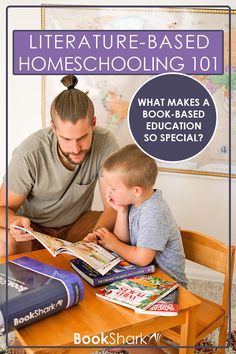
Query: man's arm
{"x":108,"y":217}
{"x":14,"y":203}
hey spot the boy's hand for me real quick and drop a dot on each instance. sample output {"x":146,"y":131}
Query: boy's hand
{"x":20,"y":235}
{"x":106,"y":238}
{"x":118,"y":208}
{"x":91,"y":237}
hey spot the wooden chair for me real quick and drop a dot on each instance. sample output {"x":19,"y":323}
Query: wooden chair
{"x":215,"y":255}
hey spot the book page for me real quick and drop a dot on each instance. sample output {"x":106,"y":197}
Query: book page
{"x":52,"y":244}
{"x":95,"y":255}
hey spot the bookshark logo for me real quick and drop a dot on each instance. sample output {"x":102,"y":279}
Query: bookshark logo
{"x":30,"y":316}
{"x":59,"y":303}
{"x":114,"y":338}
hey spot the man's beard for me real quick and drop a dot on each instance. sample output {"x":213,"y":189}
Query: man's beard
{"x":69,"y":156}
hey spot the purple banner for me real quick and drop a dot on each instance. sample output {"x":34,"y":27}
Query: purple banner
{"x":117,"y":52}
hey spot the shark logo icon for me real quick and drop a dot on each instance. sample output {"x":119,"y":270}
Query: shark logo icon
{"x":59,"y":303}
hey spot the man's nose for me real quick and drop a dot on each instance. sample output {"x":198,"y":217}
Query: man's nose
{"x":75,"y":147}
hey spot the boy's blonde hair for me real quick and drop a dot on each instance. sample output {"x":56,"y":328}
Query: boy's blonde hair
{"x":138,"y":169}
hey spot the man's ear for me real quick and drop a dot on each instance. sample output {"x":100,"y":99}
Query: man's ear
{"x":52,"y":125}
{"x":94,"y":122}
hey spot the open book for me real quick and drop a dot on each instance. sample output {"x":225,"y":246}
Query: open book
{"x":93,"y":254}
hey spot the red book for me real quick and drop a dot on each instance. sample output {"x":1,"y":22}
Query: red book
{"x":167,"y":306}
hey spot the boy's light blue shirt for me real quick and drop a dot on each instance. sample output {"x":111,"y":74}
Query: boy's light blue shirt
{"x":152,"y":225}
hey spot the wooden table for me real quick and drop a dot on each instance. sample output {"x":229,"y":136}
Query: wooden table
{"x":97,"y":318}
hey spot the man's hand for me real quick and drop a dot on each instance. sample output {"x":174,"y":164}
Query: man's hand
{"x":20,"y":235}
{"x":106,"y":238}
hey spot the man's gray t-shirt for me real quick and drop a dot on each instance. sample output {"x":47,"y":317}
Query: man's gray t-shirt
{"x":56,"y":196}
{"x":152,"y":226}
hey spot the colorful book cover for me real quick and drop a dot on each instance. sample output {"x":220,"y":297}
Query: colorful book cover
{"x":167,"y":306}
{"x":139,"y":292}
{"x":122,"y":270}
{"x":35,"y":291}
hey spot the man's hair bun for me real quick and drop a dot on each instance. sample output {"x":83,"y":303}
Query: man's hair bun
{"x":70,"y":81}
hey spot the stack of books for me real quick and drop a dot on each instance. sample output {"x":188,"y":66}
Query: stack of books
{"x":131,"y":286}
{"x":145,"y":294}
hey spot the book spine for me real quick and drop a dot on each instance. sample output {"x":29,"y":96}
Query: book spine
{"x":119,"y":276}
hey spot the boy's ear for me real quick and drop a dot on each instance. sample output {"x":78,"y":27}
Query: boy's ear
{"x":138,"y":191}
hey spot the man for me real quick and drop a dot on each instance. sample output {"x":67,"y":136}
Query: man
{"x":53,"y":173}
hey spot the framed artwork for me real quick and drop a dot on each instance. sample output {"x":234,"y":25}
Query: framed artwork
{"x":111,"y":94}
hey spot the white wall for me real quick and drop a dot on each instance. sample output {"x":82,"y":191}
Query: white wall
{"x":199,"y":203}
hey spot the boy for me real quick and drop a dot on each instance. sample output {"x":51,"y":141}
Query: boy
{"x":145,"y":229}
